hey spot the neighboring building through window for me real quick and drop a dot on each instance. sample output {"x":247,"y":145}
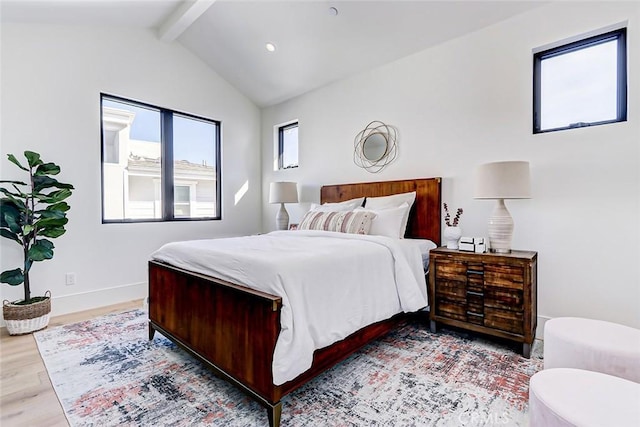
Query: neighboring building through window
{"x":582,"y":83}
{"x":158,"y":164}
{"x":288,"y":146}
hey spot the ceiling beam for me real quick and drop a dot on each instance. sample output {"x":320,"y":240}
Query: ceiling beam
{"x":184,"y":15}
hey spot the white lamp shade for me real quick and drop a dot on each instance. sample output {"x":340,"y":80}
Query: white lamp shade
{"x":283,"y":192}
{"x":503,"y":180}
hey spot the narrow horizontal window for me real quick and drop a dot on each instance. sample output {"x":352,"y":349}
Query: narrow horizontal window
{"x":158,"y":164}
{"x":583,"y":83}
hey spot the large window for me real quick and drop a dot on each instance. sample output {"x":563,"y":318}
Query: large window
{"x":583,"y":83}
{"x":288,"y":146}
{"x":158,"y":164}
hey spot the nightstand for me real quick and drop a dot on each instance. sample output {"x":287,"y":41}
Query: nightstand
{"x":490,"y":293}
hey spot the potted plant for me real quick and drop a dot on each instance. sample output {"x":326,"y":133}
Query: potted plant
{"x":31,"y":213}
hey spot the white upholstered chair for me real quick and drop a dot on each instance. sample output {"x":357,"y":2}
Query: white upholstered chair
{"x":591,"y":375}
{"x":594,"y":345}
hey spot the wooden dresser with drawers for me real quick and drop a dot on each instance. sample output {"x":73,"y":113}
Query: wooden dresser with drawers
{"x":491,"y":293}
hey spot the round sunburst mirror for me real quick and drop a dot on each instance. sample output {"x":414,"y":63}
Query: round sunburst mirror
{"x":375,"y":146}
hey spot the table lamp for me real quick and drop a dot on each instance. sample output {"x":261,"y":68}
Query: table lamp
{"x":283,"y":192}
{"x":500,"y":181}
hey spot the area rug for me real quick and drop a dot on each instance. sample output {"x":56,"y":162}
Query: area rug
{"x":106,"y":372}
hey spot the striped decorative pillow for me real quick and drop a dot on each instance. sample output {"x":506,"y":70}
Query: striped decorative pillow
{"x":344,"y":222}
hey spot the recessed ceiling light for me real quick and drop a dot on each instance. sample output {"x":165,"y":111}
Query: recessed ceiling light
{"x":270,"y":47}
{"x":333,"y":11}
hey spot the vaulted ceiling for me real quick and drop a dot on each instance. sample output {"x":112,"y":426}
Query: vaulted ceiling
{"x":316,"y":42}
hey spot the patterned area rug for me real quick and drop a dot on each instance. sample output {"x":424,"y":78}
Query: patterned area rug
{"x":106,"y":372}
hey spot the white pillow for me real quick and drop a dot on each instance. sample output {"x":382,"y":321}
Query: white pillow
{"x":393,"y":201}
{"x":347,"y":205}
{"x":388,"y":222}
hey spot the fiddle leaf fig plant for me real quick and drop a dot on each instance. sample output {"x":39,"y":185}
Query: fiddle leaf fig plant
{"x":31,"y":213}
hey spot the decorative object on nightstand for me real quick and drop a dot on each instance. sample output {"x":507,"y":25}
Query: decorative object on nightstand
{"x":490,"y":293}
{"x":452,"y":236}
{"x":473,"y":244}
{"x":452,"y":232}
{"x":502,"y":180}
{"x":283,"y":192}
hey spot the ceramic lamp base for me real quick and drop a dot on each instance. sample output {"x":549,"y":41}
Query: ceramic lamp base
{"x":500,"y":229}
{"x":282,"y":218}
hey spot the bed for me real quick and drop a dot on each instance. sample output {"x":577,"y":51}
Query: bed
{"x":234,"y":329}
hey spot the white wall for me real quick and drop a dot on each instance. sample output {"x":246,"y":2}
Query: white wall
{"x":51,"y":79}
{"x":469,"y":101}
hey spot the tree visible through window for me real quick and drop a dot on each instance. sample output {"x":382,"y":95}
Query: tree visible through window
{"x":579,"y":84}
{"x":288,"y":146}
{"x":158,"y":164}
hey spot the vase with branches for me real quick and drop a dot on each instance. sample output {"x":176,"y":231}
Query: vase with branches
{"x":452,"y":231}
{"x":447,"y":216}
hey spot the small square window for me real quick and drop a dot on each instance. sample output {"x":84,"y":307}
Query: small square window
{"x":583,"y":83}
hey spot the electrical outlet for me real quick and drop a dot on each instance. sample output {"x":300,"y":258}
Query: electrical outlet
{"x":70,"y":279}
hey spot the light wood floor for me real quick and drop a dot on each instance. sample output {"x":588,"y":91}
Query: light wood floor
{"x":26,"y":394}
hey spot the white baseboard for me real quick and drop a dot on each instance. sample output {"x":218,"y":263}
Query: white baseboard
{"x":100,"y":298}
{"x":94,"y":299}
{"x":540,"y":329}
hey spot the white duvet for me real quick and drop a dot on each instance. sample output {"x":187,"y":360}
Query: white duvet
{"x":331,"y":284}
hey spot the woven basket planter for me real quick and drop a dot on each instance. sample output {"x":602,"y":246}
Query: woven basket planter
{"x":24,"y":319}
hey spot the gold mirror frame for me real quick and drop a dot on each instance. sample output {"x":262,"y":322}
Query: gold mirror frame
{"x":375,"y":146}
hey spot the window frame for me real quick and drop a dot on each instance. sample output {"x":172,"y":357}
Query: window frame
{"x":620,"y":35}
{"x":166,"y":165}
{"x":281,"y":130}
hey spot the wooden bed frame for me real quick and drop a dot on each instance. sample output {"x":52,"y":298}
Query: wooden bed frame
{"x":233,"y":329}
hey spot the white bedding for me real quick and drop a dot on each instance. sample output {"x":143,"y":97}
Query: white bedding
{"x":331,"y":284}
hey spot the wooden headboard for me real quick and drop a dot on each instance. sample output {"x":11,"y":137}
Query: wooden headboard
{"x":424,"y":218}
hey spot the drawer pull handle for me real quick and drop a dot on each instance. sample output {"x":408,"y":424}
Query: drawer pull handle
{"x":475,"y":272}
{"x":469,"y":313}
{"x":478,"y":294}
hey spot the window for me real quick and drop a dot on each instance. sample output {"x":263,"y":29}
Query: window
{"x":288,"y":146}
{"x":158,"y":164}
{"x":583,"y":83}
{"x":182,"y":201}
